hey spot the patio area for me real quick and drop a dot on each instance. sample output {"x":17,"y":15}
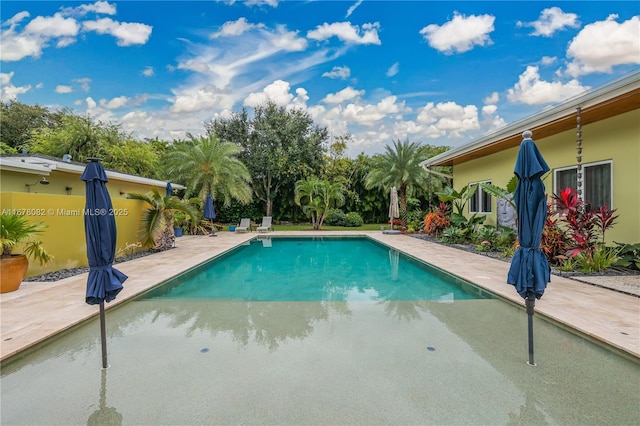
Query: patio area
{"x":39,"y":310}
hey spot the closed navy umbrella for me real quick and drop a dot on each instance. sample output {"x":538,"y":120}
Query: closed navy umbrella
{"x":104,"y":282}
{"x":529,"y":271}
{"x":169,"y":189}
{"x":209,"y":211}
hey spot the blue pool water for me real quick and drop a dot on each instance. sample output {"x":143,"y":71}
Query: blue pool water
{"x":317,"y":269}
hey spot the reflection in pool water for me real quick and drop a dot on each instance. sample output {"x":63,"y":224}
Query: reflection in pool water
{"x":208,"y":361}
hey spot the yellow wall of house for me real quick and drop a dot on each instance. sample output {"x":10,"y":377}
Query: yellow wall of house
{"x":64,"y":237}
{"x":616,"y":139}
{"x":60,"y":181}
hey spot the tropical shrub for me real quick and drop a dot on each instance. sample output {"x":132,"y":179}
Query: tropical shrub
{"x":554,"y":240}
{"x":597,"y":260}
{"x":437,"y":220}
{"x":335,"y":217}
{"x":586,"y":229}
{"x":453,"y":235}
{"x":629,"y":256}
{"x":353,"y":220}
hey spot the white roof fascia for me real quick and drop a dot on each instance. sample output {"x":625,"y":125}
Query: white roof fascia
{"x":584,"y":100}
{"x":44,"y":165}
{"x":20,"y":167}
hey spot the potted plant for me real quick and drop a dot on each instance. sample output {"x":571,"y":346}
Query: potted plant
{"x":179,"y":219}
{"x":17,"y":229}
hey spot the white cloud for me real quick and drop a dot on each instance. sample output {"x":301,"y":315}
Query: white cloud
{"x":338,"y":72}
{"x":90,"y":102}
{"x":60,"y":88}
{"x":84,"y":83}
{"x":8,"y":91}
{"x":353,"y":8}
{"x":346,"y":32}
{"x":99,"y":7}
{"x":148,"y":72}
{"x":448,"y":118}
{"x":460,"y":34}
{"x":52,"y":27}
{"x":276,"y":92}
{"x":393,"y":70}
{"x":368,"y":115}
{"x":548,"y":60}
{"x":491,"y":99}
{"x":345,"y":94}
{"x":235,"y":28}
{"x":63,"y":29}
{"x":272,"y":3}
{"x":196,"y":100}
{"x":602,"y":45}
{"x":551,"y":20}
{"x":114,"y":103}
{"x":36,"y":35}
{"x":126,"y":33}
{"x":288,"y":40}
{"x":531,"y":90}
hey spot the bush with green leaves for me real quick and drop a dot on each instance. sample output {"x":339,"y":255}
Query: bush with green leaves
{"x":353,"y":220}
{"x":629,"y":256}
{"x":597,"y":260}
{"x":335,"y":217}
{"x":453,"y":235}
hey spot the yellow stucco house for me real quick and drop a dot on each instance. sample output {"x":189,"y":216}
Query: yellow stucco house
{"x":49,"y":190}
{"x":607,"y":147}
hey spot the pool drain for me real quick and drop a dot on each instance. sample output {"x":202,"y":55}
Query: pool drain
{"x":204,"y":350}
{"x":431,"y":348}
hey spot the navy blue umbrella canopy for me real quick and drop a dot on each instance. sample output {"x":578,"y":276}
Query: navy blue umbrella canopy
{"x":209,"y":209}
{"x":169,"y":189}
{"x":529,"y":271}
{"x":104,"y":282}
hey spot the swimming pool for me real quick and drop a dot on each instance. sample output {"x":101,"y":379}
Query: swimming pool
{"x":317,"y":269}
{"x":372,"y":361}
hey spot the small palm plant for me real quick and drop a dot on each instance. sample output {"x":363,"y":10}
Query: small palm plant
{"x":17,"y":229}
{"x":157,"y":220}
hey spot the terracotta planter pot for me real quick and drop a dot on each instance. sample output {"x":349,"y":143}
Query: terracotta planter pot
{"x":14,"y":268}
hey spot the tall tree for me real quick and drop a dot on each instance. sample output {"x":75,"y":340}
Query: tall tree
{"x":209,"y":165}
{"x":279,"y":146}
{"x":400,"y":166}
{"x":18,"y":121}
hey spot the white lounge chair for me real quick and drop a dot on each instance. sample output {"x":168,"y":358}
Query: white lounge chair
{"x":245,"y":225}
{"x":266,"y":225}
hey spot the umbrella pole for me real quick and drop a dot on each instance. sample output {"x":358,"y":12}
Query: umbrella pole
{"x":530,"y":303}
{"x":103,"y":336}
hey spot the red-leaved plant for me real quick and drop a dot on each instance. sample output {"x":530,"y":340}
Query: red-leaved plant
{"x":584,"y":227}
{"x":437,"y":220}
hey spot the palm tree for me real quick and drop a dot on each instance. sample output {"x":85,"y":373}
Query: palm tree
{"x":210,"y":165}
{"x":318,"y":197}
{"x":399,"y":166}
{"x":157,"y":223}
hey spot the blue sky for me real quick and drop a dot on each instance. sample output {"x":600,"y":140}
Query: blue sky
{"x":442,"y":73}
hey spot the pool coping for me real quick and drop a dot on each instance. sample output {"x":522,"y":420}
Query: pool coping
{"x":39,"y":310}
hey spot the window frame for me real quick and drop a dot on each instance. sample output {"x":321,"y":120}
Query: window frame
{"x":479,"y":194}
{"x":557,"y":190}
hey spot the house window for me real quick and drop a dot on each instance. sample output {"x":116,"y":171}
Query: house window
{"x":596,"y":183}
{"x":481,"y":200}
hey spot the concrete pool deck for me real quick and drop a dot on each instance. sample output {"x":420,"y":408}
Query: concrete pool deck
{"x":39,"y":310}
